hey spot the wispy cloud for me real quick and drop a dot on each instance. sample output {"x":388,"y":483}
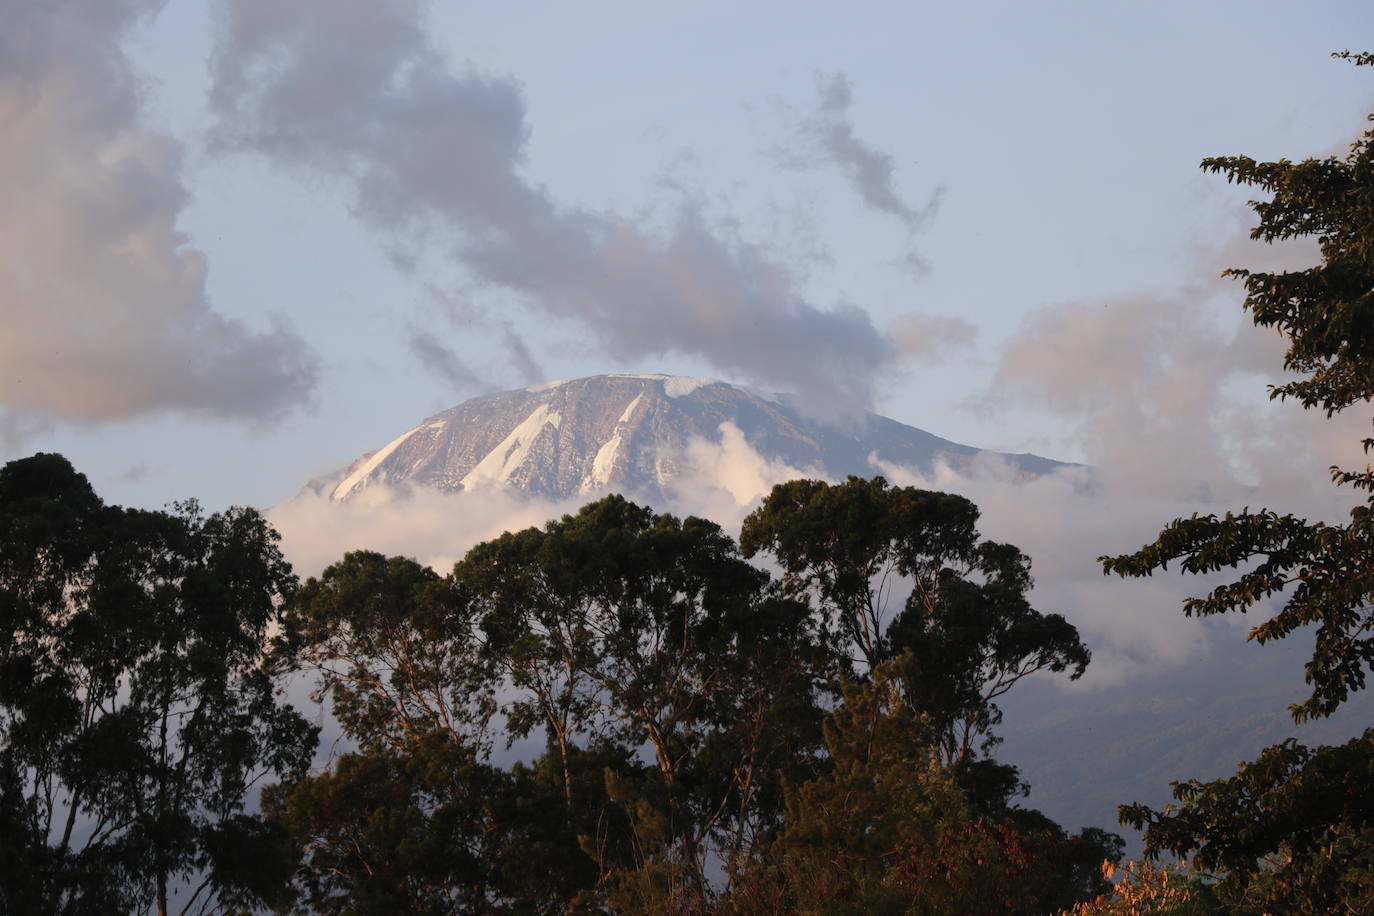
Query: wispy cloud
{"x":355,"y":90}
{"x":105,"y":305}
{"x":932,"y":339}
{"x":442,"y":361}
{"x":825,"y":137}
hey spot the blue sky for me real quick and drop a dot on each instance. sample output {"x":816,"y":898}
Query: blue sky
{"x":1029,"y":158}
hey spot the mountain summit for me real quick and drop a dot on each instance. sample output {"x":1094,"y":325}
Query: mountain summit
{"x":631,"y":433}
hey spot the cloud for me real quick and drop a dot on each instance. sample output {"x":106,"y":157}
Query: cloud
{"x":725,"y":480}
{"x":525,"y":364}
{"x":354,"y":90}
{"x":1063,"y":521}
{"x":433,"y":527}
{"x":826,"y":137}
{"x":1166,"y":395}
{"x":722,"y":480}
{"x":931,"y":338}
{"x":442,"y":361}
{"x":106,"y":312}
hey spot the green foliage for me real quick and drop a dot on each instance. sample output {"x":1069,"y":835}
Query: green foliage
{"x":890,"y":829}
{"x":135,"y":711}
{"x":1144,"y":889}
{"x":847,"y":541}
{"x":682,"y":693}
{"x":1326,"y":312}
{"x":701,"y":753}
{"x":1322,"y":572}
{"x":388,"y":832}
{"x":642,"y":629}
{"x":1291,"y":831}
{"x":966,"y":632}
{"x":395,"y":649}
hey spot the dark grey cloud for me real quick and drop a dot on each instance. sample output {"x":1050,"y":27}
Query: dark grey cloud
{"x":104,"y":302}
{"x":442,"y":361}
{"x":827,"y":138}
{"x":354,"y":90}
{"x":520,"y":356}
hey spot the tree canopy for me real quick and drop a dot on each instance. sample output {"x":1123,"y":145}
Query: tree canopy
{"x":965,"y":630}
{"x":693,"y":714}
{"x":615,"y":712}
{"x":1292,"y":831}
{"x":135,"y":708}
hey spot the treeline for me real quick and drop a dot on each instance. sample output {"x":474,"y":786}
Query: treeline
{"x":714,"y":739}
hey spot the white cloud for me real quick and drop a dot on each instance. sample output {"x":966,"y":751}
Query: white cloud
{"x":828,"y":138}
{"x":1167,"y":398}
{"x":722,"y":480}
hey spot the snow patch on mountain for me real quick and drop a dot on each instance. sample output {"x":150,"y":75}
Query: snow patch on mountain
{"x":604,"y":462}
{"x":630,"y":410}
{"x":504,"y":460}
{"x":351,"y":482}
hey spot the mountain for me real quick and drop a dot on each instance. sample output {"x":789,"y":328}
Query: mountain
{"x":630,"y":433}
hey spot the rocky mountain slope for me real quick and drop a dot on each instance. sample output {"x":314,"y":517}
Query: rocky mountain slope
{"x":629,"y":433}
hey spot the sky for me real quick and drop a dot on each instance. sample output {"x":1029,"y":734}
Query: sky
{"x":243,"y":242}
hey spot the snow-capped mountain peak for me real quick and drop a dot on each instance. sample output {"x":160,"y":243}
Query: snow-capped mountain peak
{"x":630,"y":433}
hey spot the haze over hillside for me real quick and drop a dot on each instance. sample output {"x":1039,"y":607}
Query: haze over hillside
{"x":633,"y":434}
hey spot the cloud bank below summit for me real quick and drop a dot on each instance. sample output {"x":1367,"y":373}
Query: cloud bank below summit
{"x":1061,"y":520}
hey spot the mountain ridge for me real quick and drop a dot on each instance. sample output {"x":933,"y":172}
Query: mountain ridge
{"x":631,"y":433}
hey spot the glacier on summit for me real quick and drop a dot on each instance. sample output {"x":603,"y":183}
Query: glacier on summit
{"x":633,"y":434}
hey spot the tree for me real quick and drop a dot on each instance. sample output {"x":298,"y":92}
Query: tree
{"x":915,"y":720}
{"x":671,"y":680}
{"x":888,"y":829}
{"x":417,"y":819}
{"x":966,"y":629}
{"x":681,"y":694}
{"x":1144,"y":889}
{"x":135,"y":710}
{"x":419,"y":830}
{"x":625,"y":626}
{"x":1293,"y":829}
{"x":395,"y":649}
